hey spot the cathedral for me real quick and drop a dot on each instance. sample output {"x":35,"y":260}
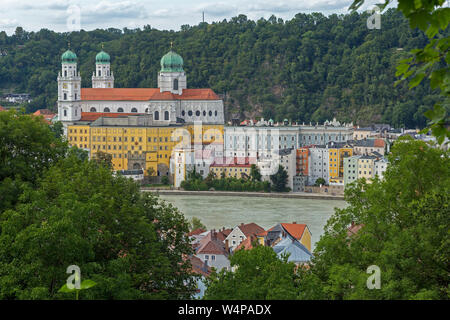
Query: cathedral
{"x":171,"y":103}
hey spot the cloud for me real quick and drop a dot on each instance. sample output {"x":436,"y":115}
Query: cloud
{"x":8,"y":23}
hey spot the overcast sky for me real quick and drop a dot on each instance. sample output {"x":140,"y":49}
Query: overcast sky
{"x":61,"y":15}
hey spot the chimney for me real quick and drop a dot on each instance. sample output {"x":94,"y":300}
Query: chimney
{"x":294,"y":222}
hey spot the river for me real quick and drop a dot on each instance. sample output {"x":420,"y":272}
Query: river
{"x":230,"y":211}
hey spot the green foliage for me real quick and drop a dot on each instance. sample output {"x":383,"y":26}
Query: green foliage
{"x":196,"y":223}
{"x":309,"y":68}
{"x":165,"y":180}
{"x":320,"y":181}
{"x":432,"y":17}
{"x":27,"y":148}
{"x":405,"y":223}
{"x":59,"y":209}
{"x":279,"y":180}
{"x":259,"y":275}
{"x":195,"y":182}
{"x":255,"y":174}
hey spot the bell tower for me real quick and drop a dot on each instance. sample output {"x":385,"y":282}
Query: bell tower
{"x":103,"y":76}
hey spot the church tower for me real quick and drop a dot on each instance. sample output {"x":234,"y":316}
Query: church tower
{"x":172,"y":77}
{"x":69,"y":89}
{"x":103,"y":76}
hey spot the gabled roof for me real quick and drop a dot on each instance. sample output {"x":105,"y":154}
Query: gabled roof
{"x":247,"y":244}
{"x":296,"y":230}
{"x":199,"y":267}
{"x":196,"y":232}
{"x":298,"y":253}
{"x":144,"y":94}
{"x":42,"y":112}
{"x":250,"y":229}
{"x":212,"y":245}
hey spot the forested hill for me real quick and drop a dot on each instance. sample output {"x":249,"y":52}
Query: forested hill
{"x":310,"y":68}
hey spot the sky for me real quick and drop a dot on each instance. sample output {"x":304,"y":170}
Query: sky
{"x":71,"y":15}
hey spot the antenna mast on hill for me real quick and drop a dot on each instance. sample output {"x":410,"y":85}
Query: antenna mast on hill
{"x":203,"y":16}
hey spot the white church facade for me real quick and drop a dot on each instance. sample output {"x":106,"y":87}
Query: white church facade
{"x":172,"y":102}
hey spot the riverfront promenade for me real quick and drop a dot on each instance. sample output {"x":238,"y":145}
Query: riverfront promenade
{"x":296,"y":195}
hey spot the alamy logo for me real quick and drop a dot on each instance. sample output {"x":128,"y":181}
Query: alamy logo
{"x":374,"y":281}
{"x":74,"y":18}
{"x":74,"y":281}
{"x":374,"y":21}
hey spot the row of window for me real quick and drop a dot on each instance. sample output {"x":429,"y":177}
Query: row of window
{"x":198,"y":113}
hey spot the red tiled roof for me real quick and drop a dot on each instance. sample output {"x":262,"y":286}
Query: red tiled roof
{"x":221,"y":235}
{"x":144,"y":94}
{"x":250,"y":229}
{"x":294,"y":229}
{"x":379,"y":143}
{"x":42,"y":112}
{"x":196,"y":232}
{"x":234,"y":162}
{"x":247,"y":244}
{"x":354,"y":228}
{"x":212,"y":245}
{"x":199,"y":267}
{"x":2,"y":109}
{"x":92,"y":116}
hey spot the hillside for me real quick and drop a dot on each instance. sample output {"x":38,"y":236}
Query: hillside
{"x":310,"y":68}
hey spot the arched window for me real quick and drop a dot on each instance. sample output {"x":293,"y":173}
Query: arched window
{"x":65,"y":113}
{"x":65,"y":96}
{"x":204,"y":113}
{"x":175,"y":84}
{"x":93,"y":110}
{"x":190,"y":113}
{"x":166,"y":115}
{"x":210,"y":113}
{"x":156,"y":117}
{"x":99,"y":73}
{"x":183,"y":113}
{"x":197,"y":113}
{"x":215,"y":113}
{"x":134,"y":110}
{"x":146,"y":110}
{"x":106,"y":110}
{"x":136,"y":166}
{"x":120,"y":110}
{"x":65,"y":73}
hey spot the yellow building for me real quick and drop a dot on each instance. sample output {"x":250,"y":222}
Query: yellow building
{"x":366,"y":167}
{"x":136,"y":146}
{"x":336,"y":162}
{"x":230,"y":170}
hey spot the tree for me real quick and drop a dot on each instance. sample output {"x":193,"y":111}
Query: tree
{"x":151,"y":172}
{"x":319,"y":182}
{"x":432,"y":17}
{"x":196,"y":224}
{"x":259,"y":275}
{"x":27,"y":148}
{"x":131,"y":244}
{"x":404,"y":225}
{"x":279,"y":180}
{"x":103,"y":158}
{"x":255,"y":174}
{"x":165,"y":180}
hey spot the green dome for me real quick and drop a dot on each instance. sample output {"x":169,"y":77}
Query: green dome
{"x":102,"y":57}
{"x":69,"y":57}
{"x":172,"y":62}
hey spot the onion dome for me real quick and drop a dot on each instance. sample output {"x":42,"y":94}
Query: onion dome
{"x":69,"y":57}
{"x":103,"y":58}
{"x":172,"y":62}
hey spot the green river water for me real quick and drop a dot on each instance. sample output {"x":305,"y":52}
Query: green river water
{"x":228,"y":211}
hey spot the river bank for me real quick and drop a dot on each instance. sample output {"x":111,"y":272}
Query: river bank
{"x":297,"y":195}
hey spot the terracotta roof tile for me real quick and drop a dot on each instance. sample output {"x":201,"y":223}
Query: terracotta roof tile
{"x":196,"y":232}
{"x":144,"y":94}
{"x":294,"y":229}
{"x":212,"y":245}
{"x":250,"y":229}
